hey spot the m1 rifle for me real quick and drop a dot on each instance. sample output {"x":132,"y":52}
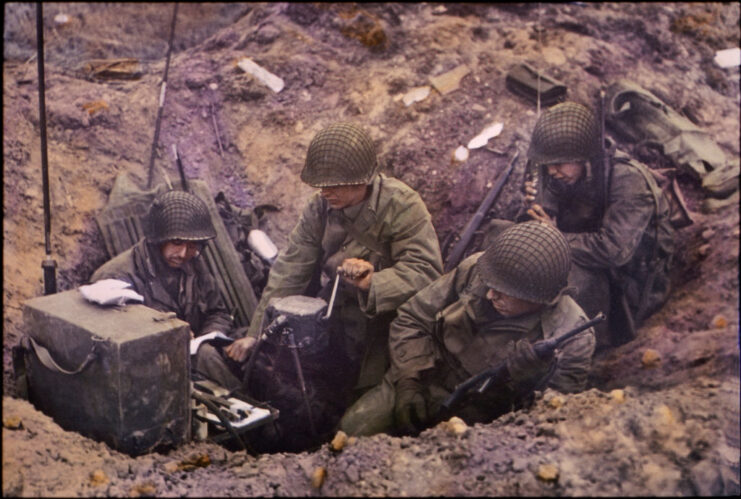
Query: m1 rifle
{"x":498,"y":373}
{"x":163,"y":93}
{"x":457,"y":255}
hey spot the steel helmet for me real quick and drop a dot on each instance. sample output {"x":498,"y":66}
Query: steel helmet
{"x":340,"y":154}
{"x":529,"y":261}
{"x":179,"y":215}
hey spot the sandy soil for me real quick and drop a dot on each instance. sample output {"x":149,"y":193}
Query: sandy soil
{"x":672,"y":429}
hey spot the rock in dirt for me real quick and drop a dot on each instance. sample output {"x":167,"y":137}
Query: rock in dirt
{"x":651,"y":359}
{"x":556,"y":401}
{"x":547,"y":472}
{"x":339,"y":441}
{"x":99,"y":478}
{"x":719,"y":322}
{"x":618,"y":396}
{"x":455,"y":426}
{"x":12,"y":423}
{"x":146,"y":489}
{"x":317,"y":478}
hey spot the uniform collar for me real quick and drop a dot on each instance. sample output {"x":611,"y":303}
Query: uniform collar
{"x":370,"y":203}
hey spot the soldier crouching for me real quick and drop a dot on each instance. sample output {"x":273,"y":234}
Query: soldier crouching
{"x":486,"y":311}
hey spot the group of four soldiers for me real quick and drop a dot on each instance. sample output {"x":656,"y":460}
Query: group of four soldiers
{"x":594,"y":232}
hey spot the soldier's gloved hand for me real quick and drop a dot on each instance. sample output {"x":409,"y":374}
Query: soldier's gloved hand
{"x":357,"y":272}
{"x":239,"y":349}
{"x":525,"y":366}
{"x":410,"y":407}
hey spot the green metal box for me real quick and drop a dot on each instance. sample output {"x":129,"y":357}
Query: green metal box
{"x":134,"y":391}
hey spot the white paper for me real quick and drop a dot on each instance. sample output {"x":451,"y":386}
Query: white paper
{"x":728,"y":58}
{"x":415,"y":95}
{"x":110,"y":292}
{"x":196,"y":343}
{"x":275,"y":83}
{"x":488,"y":133}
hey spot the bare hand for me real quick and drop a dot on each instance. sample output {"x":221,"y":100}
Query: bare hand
{"x":240,"y":348}
{"x":530,"y":191}
{"x":357,"y":272}
{"x":537,"y":212}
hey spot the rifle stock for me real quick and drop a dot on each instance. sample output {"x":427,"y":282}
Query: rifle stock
{"x":457,"y":255}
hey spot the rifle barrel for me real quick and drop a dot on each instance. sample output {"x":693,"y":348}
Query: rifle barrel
{"x":163,"y":92}
{"x":473,"y":224}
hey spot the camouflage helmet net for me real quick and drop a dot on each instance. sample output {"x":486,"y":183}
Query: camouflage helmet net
{"x":529,"y":261}
{"x":566,"y":132}
{"x":179,"y":215}
{"x":341,"y":154}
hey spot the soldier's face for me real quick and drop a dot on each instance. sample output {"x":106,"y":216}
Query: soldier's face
{"x":568,"y":173}
{"x":509,"y":306}
{"x":177,"y":253}
{"x":344,"y":196}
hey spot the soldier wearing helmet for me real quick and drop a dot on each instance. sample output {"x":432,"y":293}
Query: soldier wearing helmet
{"x":372,"y":230}
{"x":487,"y":310}
{"x":613,"y":214}
{"x":165,"y":268}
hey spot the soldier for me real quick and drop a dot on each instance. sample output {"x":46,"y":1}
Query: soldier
{"x":487,"y":310}
{"x":373,"y":230}
{"x":612,"y":213}
{"x":165,"y":268}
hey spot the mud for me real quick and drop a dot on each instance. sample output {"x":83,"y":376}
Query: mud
{"x":669,"y":428}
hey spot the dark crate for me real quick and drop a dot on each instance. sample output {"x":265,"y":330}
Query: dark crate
{"x":135,"y":394}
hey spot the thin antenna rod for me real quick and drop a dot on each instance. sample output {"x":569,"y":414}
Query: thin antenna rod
{"x":49,"y":265}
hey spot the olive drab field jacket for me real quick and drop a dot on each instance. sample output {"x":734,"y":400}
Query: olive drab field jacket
{"x":198,"y":301}
{"x":632,"y":234}
{"x":392,"y":229}
{"x":450,"y":331}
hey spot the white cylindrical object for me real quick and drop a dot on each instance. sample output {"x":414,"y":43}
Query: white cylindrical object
{"x":260,"y":243}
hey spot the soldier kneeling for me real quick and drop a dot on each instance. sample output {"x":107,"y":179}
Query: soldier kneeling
{"x":488,"y":310}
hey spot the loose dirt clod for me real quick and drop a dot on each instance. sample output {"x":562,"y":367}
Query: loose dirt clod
{"x":719,"y":322}
{"x":547,"y":472}
{"x":98,"y":477}
{"x":12,"y":423}
{"x":556,"y":401}
{"x":618,"y":395}
{"x":317,"y":478}
{"x":455,"y":426}
{"x":651,"y":359}
{"x":339,"y":441}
